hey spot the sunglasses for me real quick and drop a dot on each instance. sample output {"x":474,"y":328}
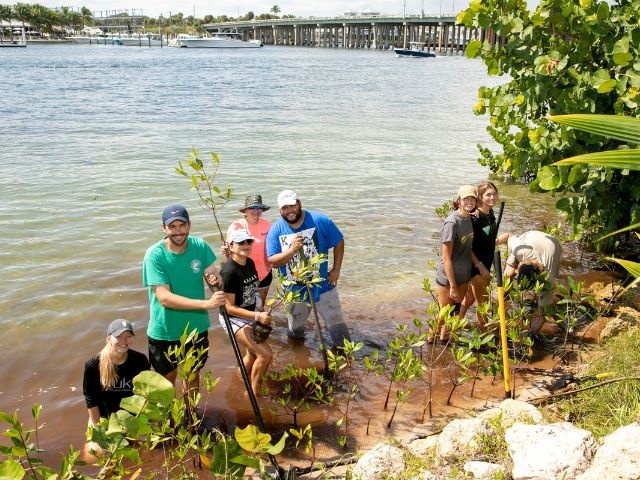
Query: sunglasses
{"x":254,"y":208}
{"x":244,"y":242}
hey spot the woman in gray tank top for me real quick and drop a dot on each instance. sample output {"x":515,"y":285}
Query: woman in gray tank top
{"x":456,"y":259}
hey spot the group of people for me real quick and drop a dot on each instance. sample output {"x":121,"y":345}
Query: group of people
{"x":175,"y":270}
{"x":468,"y":241}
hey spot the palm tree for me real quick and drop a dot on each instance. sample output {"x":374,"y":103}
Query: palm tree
{"x":22,"y":12}
{"x":87,"y":16}
{"x":6,"y":13}
{"x":275,"y":9}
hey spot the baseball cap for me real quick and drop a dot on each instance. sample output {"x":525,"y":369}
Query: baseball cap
{"x":173,"y":213}
{"x":287,"y":197}
{"x":467,"y":191}
{"x":119,"y":326}
{"x":239,"y":235}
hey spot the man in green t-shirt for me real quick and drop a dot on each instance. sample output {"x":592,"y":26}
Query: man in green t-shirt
{"x":174,"y":269}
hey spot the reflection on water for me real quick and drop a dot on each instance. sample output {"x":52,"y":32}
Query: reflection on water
{"x":90,"y":139}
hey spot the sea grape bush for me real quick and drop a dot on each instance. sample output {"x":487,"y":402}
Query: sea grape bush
{"x":564,"y":57}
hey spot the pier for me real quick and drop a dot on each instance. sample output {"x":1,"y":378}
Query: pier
{"x":438,"y":33}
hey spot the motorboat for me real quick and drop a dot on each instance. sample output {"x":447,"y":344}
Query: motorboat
{"x":140,"y":40}
{"x":416,"y":49}
{"x":218,"y":40}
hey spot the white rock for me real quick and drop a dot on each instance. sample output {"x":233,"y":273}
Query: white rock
{"x":513,"y":411}
{"x":619,"y":456}
{"x":485,"y":470}
{"x":459,"y":439}
{"x":554,"y":451}
{"x":423,"y":447}
{"x":380,"y":462}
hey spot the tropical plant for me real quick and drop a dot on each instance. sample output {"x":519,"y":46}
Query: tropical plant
{"x":566,"y":56}
{"x":299,"y":389}
{"x":211,"y":197}
{"x":625,"y":130}
{"x":275,"y":9}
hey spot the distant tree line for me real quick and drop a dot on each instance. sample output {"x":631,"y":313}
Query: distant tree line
{"x":62,"y":19}
{"x":45,"y":19}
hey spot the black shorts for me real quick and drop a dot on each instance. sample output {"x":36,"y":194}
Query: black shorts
{"x":158,"y":350}
{"x":266,"y":281}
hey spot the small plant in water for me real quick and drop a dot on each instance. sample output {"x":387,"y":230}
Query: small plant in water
{"x":300,"y":388}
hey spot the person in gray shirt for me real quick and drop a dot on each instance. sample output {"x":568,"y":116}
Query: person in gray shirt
{"x":457,"y":257}
{"x":531,"y":253}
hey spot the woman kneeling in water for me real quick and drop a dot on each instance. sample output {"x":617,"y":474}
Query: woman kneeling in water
{"x":108,"y":376}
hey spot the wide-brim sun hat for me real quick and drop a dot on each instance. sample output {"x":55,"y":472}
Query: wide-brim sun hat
{"x":254,"y":201}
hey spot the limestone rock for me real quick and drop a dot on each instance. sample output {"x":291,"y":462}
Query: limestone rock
{"x":626,"y":317}
{"x":549,"y":452}
{"x":619,"y":456}
{"x":459,"y":439}
{"x":380,"y":462}
{"x":423,"y":447}
{"x":513,"y":411}
{"x":485,"y":470}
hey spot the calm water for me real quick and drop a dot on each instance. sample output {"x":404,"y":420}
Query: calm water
{"x":90,"y":136}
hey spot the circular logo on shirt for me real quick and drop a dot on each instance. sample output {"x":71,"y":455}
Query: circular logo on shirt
{"x":195,"y":265}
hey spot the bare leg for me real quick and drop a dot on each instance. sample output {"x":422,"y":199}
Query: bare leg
{"x":262,"y":354}
{"x":444,"y":300}
{"x":479,"y":291}
{"x":468,"y":301}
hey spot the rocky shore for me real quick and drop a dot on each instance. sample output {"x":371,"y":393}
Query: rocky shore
{"x":512,"y":441}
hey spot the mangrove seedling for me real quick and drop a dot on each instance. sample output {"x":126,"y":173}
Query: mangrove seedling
{"x":211,"y":197}
{"x":300,"y":388}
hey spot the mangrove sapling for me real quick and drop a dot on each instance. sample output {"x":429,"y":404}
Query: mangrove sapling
{"x":408,"y":368}
{"x":482,"y":347}
{"x":300,"y":388}
{"x":574,"y":307}
{"x":305,"y":433}
{"x":283,"y":293}
{"x":211,"y":197}
{"x":343,"y":360}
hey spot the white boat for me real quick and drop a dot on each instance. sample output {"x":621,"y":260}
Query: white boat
{"x":219,"y":40}
{"x":141,"y":40}
{"x":416,"y":49}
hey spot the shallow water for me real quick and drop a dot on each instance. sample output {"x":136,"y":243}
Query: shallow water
{"x":90,"y":138}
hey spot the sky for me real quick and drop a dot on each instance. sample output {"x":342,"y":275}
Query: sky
{"x":302,"y":8}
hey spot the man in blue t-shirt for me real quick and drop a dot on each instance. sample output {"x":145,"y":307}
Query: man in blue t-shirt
{"x":308,"y":232}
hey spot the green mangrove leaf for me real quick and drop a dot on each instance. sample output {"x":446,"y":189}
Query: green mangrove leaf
{"x":247,"y":461}
{"x":278,"y":447}
{"x":221,"y":463}
{"x":606,"y":87}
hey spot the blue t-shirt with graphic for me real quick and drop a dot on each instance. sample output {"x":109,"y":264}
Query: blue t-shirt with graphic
{"x":319,"y":233}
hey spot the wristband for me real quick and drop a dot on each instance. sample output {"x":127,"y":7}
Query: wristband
{"x":479,"y":264}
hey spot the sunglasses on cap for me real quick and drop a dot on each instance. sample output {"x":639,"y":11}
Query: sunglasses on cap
{"x":244,"y":242}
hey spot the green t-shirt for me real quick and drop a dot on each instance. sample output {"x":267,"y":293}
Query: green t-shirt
{"x":183,"y":273}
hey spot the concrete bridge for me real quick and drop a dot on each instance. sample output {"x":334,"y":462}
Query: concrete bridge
{"x":438,"y":33}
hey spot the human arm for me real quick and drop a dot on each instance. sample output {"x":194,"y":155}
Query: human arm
{"x":282,"y":258}
{"x":484,"y":273}
{"x":447,"y":252}
{"x":169,"y":299}
{"x":502,"y":239}
{"x":511,"y":267}
{"x":236,"y":311}
{"x":338,"y":255}
{"x":212,"y":277}
{"x":94,"y":415}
